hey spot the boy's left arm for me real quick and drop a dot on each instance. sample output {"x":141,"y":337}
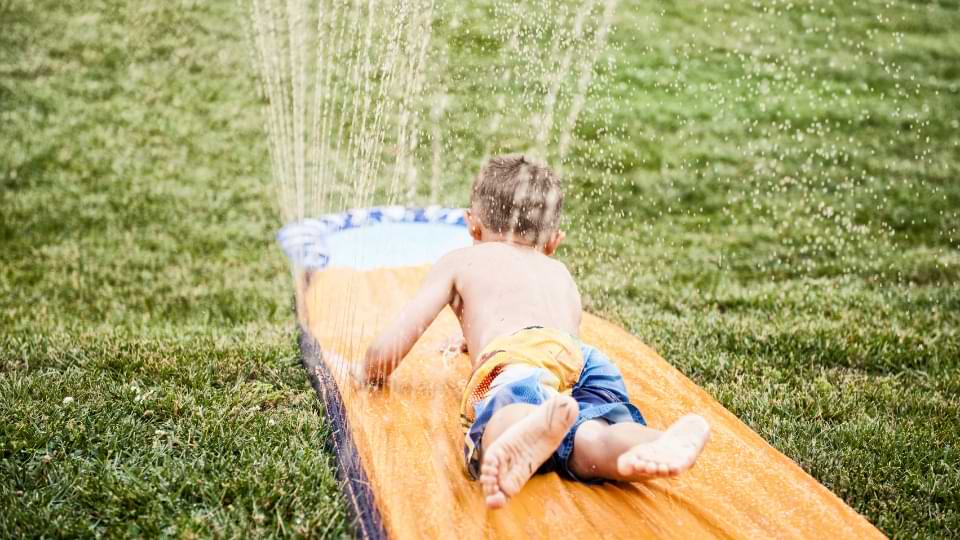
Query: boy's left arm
{"x":413,"y":320}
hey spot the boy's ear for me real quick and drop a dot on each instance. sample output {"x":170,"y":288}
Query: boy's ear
{"x":554,"y":242}
{"x":473,"y":225}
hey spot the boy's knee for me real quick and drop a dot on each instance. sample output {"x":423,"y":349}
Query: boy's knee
{"x":588,"y":448}
{"x":590,"y":434}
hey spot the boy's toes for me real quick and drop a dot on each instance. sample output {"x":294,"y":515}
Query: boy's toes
{"x":497,"y":500}
{"x":489,"y":485}
{"x":489,"y":479}
{"x":649,"y":467}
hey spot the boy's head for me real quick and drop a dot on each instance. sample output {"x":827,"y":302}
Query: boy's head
{"x":518,"y":199}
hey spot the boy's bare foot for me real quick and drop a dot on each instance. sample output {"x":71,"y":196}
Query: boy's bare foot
{"x":516,"y":454}
{"x":668,"y":455}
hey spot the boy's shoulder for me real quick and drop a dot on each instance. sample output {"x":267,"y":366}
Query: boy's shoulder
{"x":466,"y":254}
{"x":492,"y":253}
{"x":480,"y":249}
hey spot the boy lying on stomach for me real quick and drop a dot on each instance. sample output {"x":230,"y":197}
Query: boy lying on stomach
{"x":538,"y":399}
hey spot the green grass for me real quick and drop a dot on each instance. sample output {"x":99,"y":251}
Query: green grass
{"x":776,"y":211}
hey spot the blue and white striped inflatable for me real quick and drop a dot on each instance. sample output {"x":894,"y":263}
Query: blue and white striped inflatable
{"x":379,"y":237}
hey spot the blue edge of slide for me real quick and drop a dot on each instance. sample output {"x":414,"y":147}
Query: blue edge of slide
{"x":353,"y":477}
{"x":305,"y":249}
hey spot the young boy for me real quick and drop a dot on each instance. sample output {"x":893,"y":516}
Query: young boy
{"x":538,"y":400}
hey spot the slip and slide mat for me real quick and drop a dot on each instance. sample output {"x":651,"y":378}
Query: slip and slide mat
{"x":399,"y":449}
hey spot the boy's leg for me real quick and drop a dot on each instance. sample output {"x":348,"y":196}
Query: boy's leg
{"x":610,"y":439}
{"x":596,"y":447}
{"x":517,"y":440}
{"x":631,"y":452}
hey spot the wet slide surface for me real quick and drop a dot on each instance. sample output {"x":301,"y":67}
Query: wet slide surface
{"x":405,"y":445}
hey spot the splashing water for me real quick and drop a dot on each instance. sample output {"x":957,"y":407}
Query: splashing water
{"x":363,"y":107}
{"x":358,"y":103}
{"x":341,"y":81}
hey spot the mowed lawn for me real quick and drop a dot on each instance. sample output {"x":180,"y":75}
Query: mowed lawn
{"x":767,"y":193}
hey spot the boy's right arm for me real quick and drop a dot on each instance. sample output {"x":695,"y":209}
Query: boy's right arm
{"x":413,"y":320}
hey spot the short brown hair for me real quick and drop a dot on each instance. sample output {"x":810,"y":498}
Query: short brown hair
{"x":518,"y":196}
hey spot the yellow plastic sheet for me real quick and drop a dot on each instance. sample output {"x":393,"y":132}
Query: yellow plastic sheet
{"x":409,"y":443}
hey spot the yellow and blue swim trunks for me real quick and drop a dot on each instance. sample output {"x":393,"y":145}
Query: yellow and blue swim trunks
{"x":531,"y":366}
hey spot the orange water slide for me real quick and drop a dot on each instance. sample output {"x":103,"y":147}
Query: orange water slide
{"x":401,"y":447}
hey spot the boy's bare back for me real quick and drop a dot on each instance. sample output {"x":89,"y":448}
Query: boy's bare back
{"x":505,"y":282}
{"x":500,"y":288}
